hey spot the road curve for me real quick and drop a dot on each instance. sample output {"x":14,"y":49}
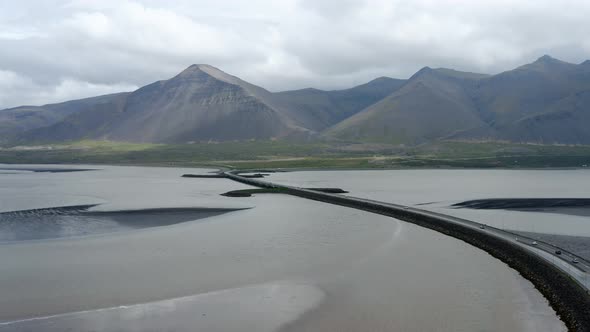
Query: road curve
{"x":564,"y":283}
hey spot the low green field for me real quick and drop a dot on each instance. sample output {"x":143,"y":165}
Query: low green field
{"x":278,"y":154}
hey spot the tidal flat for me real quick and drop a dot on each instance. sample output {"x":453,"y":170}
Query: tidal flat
{"x":275,"y":263}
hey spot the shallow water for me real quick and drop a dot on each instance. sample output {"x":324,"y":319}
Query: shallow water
{"x":437,"y":190}
{"x":284,"y":263}
{"x":206,"y":311}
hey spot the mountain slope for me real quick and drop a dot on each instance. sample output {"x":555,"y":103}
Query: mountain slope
{"x":542,"y":102}
{"x":203,"y":103}
{"x":319,"y":109}
{"x":14,"y":121}
{"x":200,"y":103}
{"x":432,"y":104}
{"x":547,"y":101}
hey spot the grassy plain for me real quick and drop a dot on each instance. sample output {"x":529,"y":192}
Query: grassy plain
{"x":280,"y":154}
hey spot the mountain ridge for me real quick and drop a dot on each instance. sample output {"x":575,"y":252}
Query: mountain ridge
{"x":545,"y":101}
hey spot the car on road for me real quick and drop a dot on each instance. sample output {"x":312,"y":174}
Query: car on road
{"x":575,"y":261}
{"x":534,"y":243}
{"x":558,"y":252}
{"x":481,"y":226}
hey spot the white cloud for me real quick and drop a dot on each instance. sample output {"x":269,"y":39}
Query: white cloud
{"x":16,"y":88}
{"x":101,"y":45}
{"x":69,"y":89}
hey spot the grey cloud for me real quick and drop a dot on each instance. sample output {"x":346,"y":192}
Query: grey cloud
{"x":55,"y":50}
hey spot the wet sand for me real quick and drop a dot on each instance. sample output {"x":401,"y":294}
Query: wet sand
{"x":571,"y":206}
{"x":41,"y":169}
{"x":572,"y":211}
{"x":75,"y":221}
{"x":228,"y":251}
{"x":249,"y":306}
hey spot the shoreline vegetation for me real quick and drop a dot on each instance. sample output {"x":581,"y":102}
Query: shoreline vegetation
{"x":570,"y":300}
{"x":308,"y":155}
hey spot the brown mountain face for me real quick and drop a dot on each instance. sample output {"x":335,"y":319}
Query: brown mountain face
{"x":18,"y":120}
{"x":432,"y":104}
{"x":200,"y":103}
{"x":203,"y":103}
{"x":547,"y":101}
{"x":542,"y":102}
{"x":319,"y":109}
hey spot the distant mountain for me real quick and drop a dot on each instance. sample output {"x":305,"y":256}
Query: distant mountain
{"x":15,"y":121}
{"x":201,"y":103}
{"x":319,"y":109}
{"x":433,"y":103}
{"x":547,"y":101}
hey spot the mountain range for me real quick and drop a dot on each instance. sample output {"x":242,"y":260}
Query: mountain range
{"x":545,"y":102}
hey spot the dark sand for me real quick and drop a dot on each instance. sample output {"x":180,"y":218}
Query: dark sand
{"x":571,"y":206}
{"x":69,"y":221}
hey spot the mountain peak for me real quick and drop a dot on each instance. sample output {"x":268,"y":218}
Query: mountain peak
{"x":192,"y":68}
{"x":425,"y":69}
{"x":381,"y":79}
{"x":547,"y":62}
{"x":445,"y":73}
{"x":423,"y":72}
{"x":547,"y":58}
{"x":190,"y":71}
{"x":198,"y":69}
{"x":460,"y":74}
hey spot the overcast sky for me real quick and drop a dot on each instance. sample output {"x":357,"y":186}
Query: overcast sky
{"x":56,"y":50}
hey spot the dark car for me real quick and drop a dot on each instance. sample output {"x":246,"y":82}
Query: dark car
{"x":558,"y":252}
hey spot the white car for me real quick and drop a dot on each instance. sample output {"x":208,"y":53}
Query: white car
{"x":534,"y":243}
